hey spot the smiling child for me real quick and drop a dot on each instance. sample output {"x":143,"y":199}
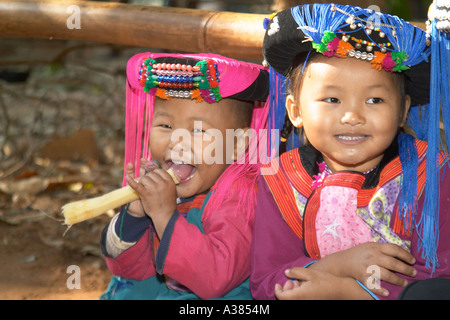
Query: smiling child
{"x":348,"y":215}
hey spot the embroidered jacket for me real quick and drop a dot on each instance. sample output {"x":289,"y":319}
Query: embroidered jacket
{"x":207,"y":255}
{"x":297,"y":224}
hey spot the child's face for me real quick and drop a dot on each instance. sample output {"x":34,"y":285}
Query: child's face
{"x":350,"y":112}
{"x":185,"y":137}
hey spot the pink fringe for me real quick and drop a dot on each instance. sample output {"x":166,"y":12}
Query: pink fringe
{"x":244,"y":173}
{"x":138,"y":117}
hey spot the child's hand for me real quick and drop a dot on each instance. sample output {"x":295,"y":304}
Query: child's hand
{"x":363,"y":261}
{"x":306,"y":284}
{"x":309,"y":284}
{"x":158,"y":196}
{"x":136,"y":209}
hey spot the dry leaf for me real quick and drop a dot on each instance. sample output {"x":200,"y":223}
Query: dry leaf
{"x":79,"y":146}
{"x":30,"y":186}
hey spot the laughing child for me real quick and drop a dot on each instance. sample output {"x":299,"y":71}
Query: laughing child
{"x":190,"y":238}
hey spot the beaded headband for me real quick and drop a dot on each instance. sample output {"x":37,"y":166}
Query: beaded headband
{"x":380,"y":54}
{"x":199,"y":82}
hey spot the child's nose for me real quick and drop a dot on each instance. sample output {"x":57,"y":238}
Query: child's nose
{"x":180,"y":147}
{"x":352,"y":118}
{"x":177,"y":146}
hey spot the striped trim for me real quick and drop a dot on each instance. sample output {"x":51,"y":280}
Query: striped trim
{"x":284,"y":197}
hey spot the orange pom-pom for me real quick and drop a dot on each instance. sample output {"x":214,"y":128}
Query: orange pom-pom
{"x":161,"y":93}
{"x":343,"y":49}
{"x":196,"y":96}
{"x":377,"y":60}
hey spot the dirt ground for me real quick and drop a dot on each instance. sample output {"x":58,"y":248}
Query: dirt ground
{"x":61,"y":140}
{"x":35,"y":258}
{"x":36,"y":248}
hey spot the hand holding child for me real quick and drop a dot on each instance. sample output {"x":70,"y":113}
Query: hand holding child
{"x":310,"y":284}
{"x":356,"y":262}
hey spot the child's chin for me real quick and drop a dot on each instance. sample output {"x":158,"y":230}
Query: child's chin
{"x":184,"y":191}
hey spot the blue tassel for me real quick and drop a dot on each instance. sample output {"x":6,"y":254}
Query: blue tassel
{"x":277,"y":108}
{"x":294,"y":142}
{"x":418,"y":121}
{"x":428,"y":226}
{"x":444,"y":39}
{"x":408,"y":193}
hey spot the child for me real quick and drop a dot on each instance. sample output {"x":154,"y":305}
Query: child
{"x":189,"y":240}
{"x":353,"y":200}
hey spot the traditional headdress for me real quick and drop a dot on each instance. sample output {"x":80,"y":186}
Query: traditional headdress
{"x":388,"y":43}
{"x":202,"y":78}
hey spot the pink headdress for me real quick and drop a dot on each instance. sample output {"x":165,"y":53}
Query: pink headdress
{"x":200,"y":77}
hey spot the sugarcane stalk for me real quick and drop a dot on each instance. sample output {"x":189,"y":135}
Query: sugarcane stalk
{"x":78,"y":211}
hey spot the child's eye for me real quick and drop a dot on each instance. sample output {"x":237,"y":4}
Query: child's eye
{"x":374,"y":100}
{"x":331,"y":100}
{"x":165,"y":126}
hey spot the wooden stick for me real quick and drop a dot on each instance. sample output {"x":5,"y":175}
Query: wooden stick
{"x":236,"y":35}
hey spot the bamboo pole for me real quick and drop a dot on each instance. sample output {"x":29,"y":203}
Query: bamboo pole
{"x":237,"y":35}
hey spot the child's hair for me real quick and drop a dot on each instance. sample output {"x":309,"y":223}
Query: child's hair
{"x":242,"y":112}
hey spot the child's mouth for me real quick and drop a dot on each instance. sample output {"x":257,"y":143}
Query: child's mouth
{"x":351,"y":138}
{"x":183,"y":170}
